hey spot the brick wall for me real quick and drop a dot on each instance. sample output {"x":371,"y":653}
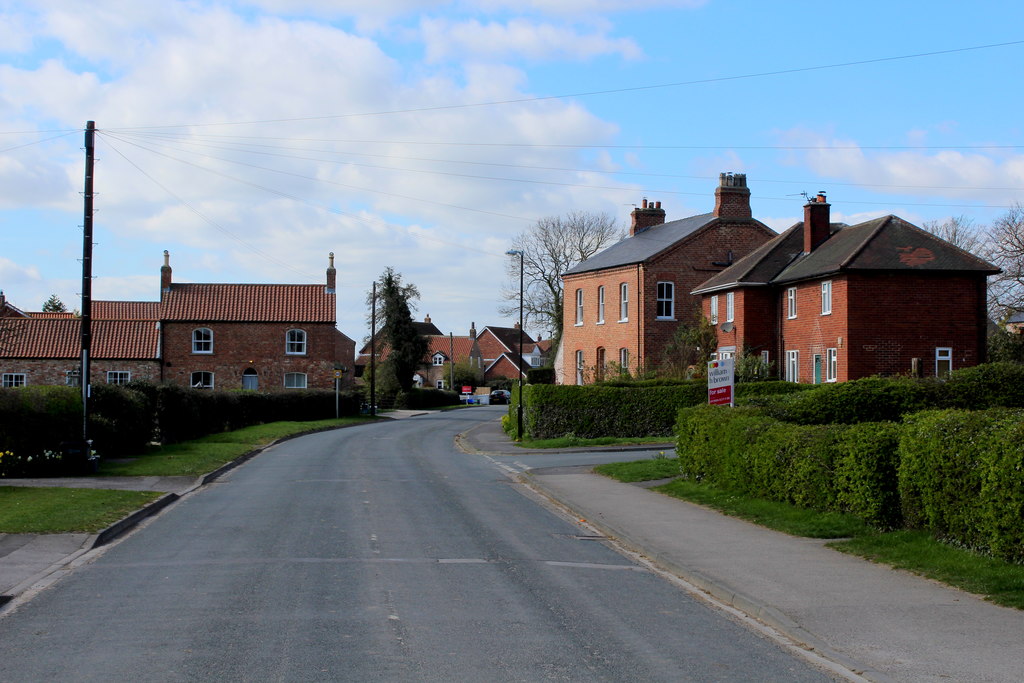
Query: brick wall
{"x":811,"y":332}
{"x":54,"y":371}
{"x":260,"y":346}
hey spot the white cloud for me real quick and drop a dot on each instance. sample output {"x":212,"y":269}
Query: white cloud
{"x":517,"y":38}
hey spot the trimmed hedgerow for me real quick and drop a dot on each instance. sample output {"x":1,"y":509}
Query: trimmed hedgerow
{"x":626,"y":409}
{"x":960,"y":477}
{"x":866,"y":473}
{"x":985,"y":386}
{"x":872,"y":399}
{"x":121,"y":420}
{"x":417,"y":399}
{"x":746,"y":451}
{"x":540,"y":376}
{"x":38,"y":418}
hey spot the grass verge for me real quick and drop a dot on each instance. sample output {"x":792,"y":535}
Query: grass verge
{"x":576,"y":442}
{"x":210,"y":452}
{"x":38,"y":510}
{"x":914,"y":551}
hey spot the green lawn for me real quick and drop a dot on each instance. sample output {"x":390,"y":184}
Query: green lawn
{"x":210,"y":452}
{"x":914,"y":551}
{"x":576,"y":442}
{"x":26,"y":510}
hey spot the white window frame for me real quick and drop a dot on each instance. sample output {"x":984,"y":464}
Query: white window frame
{"x":831,"y":365}
{"x":201,"y":385}
{"x":624,"y":302}
{"x":295,"y":342}
{"x":201,"y":344}
{"x":437,"y":359}
{"x":791,"y":303}
{"x":298,"y":380}
{"x":826,"y":297}
{"x":73,"y":378}
{"x":624,"y":358}
{"x":14,"y":379}
{"x":714,"y":309}
{"x":579,"y":367}
{"x":765,"y":355}
{"x":579,"y":307}
{"x":726,"y":352}
{"x":943,"y":354}
{"x":730,"y":307}
{"x":666,"y":301}
{"x":439,"y":384}
{"x":119,"y":376}
{"x":600,"y":305}
{"x":793,"y":366}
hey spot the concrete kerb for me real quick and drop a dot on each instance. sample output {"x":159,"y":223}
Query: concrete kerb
{"x":721,"y":591}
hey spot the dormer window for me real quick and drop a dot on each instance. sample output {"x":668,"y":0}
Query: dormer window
{"x":438,"y":359}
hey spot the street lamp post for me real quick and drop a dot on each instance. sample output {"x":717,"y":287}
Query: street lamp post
{"x":519,"y":363}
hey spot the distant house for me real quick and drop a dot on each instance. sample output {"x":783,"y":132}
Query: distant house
{"x":624,"y":304}
{"x":500,"y":349}
{"x":443,"y":350}
{"x":826,"y":302}
{"x":224,"y":336}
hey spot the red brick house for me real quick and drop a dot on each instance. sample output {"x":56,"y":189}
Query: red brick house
{"x":442,"y":351}
{"x":224,"y":336}
{"x":826,"y":302}
{"x":500,"y":349}
{"x":623,"y":304}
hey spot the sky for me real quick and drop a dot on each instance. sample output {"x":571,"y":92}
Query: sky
{"x":252,"y":138}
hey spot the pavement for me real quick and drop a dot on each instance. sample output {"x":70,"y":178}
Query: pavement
{"x":869,"y":621}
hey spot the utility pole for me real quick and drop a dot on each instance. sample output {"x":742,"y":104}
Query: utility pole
{"x":451,"y":362}
{"x":90,"y":142}
{"x":373,"y":350}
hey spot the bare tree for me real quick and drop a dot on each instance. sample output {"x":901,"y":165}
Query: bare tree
{"x":961,"y":232}
{"x":1006,"y":290}
{"x":552,"y":246}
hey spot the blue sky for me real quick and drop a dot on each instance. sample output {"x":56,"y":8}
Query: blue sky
{"x":252,"y":138}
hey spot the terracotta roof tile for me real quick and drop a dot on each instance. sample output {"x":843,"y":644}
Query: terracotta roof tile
{"x":61,"y":338}
{"x":45,"y":315}
{"x":125,"y":310}
{"x":248,"y":303}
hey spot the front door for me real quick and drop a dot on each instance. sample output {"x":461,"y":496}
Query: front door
{"x":817,"y":368}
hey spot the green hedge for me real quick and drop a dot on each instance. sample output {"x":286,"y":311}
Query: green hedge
{"x":961,"y":476}
{"x":418,"y":399}
{"x":958,"y":474}
{"x":627,"y":409}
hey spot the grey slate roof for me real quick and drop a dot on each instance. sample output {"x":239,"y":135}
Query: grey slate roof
{"x":642,"y":246}
{"x":887,"y":243}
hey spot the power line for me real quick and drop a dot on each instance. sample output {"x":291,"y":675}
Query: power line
{"x":611,"y":91}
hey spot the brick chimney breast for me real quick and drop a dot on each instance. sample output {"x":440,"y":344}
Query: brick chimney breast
{"x":816,"y":222}
{"x":165,"y":273}
{"x":732,"y":197}
{"x":332,"y":275}
{"x":647,"y":215}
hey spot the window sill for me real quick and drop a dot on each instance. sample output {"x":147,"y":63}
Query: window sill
{"x":666,"y":319}
{"x":202,"y":353}
{"x":599,"y":322}
{"x":623,"y":320}
{"x":578,"y":325}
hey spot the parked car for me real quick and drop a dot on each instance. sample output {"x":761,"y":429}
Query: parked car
{"x":500,"y":396}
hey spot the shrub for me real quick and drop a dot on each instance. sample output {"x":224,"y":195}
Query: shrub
{"x":986,"y":386}
{"x":872,"y":399}
{"x":121,"y":420}
{"x":866,"y":473}
{"x":540,"y":376}
{"x":418,"y":399}
{"x":38,"y":418}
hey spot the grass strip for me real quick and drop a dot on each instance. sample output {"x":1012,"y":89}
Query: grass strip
{"x":577,"y":442}
{"x":193,"y":458}
{"x":44,"y":510}
{"x":914,"y":551}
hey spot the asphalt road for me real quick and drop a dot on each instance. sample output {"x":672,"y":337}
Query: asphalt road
{"x":375,"y":553}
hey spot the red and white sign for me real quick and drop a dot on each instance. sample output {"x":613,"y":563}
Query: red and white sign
{"x":720,"y":382}
{"x":467,"y":390}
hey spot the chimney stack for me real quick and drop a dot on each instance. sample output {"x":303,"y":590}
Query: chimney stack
{"x":472,"y":330}
{"x":332,"y":274}
{"x":165,"y":273}
{"x":648,"y":215}
{"x":732,"y":198}
{"x":426,"y":318}
{"x":816,"y":222}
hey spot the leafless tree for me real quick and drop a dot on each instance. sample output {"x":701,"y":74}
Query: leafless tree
{"x":961,"y":232}
{"x":1006,"y":290}
{"x":550,"y":247}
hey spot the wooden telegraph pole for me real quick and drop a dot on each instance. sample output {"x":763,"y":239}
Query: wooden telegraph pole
{"x":90,"y":140}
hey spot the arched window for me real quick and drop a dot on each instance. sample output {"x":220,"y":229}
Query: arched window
{"x":202,"y":340}
{"x":250,"y":379}
{"x":295,"y":343}
{"x":295,"y":380}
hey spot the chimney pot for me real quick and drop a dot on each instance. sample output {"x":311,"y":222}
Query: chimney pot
{"x":165,"y":273}
{"x":647,"y":215}
{"x":732,"y":198}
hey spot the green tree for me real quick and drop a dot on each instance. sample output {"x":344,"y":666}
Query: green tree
{"x":467,"y":374}
{"x":406,"y":347}
{"x":54,"y":305}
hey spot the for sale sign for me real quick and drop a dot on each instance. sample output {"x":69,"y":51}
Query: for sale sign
{"x":720,"y":382}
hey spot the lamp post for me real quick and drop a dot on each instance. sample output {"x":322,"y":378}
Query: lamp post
{"x":519,"y":403}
